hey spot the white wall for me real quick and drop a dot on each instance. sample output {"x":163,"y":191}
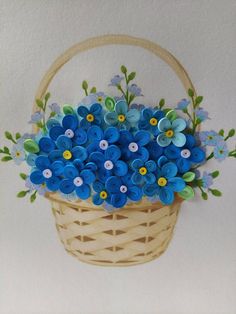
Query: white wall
{"x":197,"y":274}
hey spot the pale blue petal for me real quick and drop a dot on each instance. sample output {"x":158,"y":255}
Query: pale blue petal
{"x":121,"y":107}
{"x":178,"y":125}
{"x":179,"y":139}
{"x":163,"y":140}
{"x":111,"y":118}
{"x":164,"y":124}
{"x":132,"y":116}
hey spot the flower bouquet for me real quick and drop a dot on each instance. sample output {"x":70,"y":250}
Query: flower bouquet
{"x":114,"y":153}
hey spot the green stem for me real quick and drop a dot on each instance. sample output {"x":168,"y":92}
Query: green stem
{"x":210,"y":156}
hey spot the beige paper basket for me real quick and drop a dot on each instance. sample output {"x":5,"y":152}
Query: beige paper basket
{"x":135,"y":234}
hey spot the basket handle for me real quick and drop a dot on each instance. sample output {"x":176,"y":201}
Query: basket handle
{"x":111,"y":40}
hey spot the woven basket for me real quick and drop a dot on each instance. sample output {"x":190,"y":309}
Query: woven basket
{"x":140,"y":231}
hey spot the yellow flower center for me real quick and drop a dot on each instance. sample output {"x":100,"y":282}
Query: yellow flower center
{"x":18,"y":154}
{"x":169,"y":133}
{"x":153,"y":121}
{"x":43,"y":185}
{"x":103,"y":195}
{"x":90,"y":117}
{"x":67,"y":154}
{"x":143,"y":171}
{"x":162,"y":181}
{"x":121,"y":117}
{"x":99,"y":99}
{"x":210,"y":137}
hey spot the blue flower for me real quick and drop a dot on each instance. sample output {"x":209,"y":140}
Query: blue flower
{"x":143,"y":171}
{"x":69,"y":128}
{"x":207,"y":180}
{"x":122,"y":189}
{"x":47,"y":172}
{"x":149,"y":120}
{"x":183,"y":104}
{"x":116,"y":80}
{"x":132,"y":145}
{"x":109,"y":163}
{"x":210,"y":138}
{"x":99,"y":139}
{"x":66,"y":152}
{"x":185,"y":155}
{"x":137,"y":106}
{"x":221,"y":151}
{"x":201,"y":114}
{"x":122,"y":116}
{"x":46,"y":145}
{"x":40,"y":188}
{"x":36,"y":117}
{"x":18,"y":154}
{"x":135,"y":90}
{"x":166,"y":184}
{"x":77,"y":181}
{"x":101,"y":195}
{"x":90,"y":116}
{"x":171,"y":132}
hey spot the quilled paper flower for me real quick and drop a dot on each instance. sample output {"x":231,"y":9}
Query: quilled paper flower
{"x":78,"y":181}
{"x":210,"y":138}
{"x":121,"y":189}
{"x":90,"y":116}
{"x":18,"y":154}
{"x":207,"y":180}
{"x":99,"y":139}
{"x":143,"y":171}
{"x":102,"y":195}
{"x":166,"y":183}
{"x":183,"y":104}
{"x":185,"y":156}
{"x":149,"y":120}
{"x":171,"y":132}
{"x":132,"y":146}
{"x":122,"y":116}
{"x":116,"y":80}
{"x":221,"y":151}
{"x":135,"y":90}
{"x":70,"y":128}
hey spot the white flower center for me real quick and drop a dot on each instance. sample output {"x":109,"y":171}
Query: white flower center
{"x":185,"y":153}
{"x":108,"y":164}
{"x":78,"y":181}
{"x":47,"y":173}
{"x":133,"y":147}
{"x":103,"y":144}
{"x":69,"y":133}
{"x":123,"y":189}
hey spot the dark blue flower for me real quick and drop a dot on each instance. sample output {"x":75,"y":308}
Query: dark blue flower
{"x":90,"y":116}
{"x":47,"y":172}
{"x":155,"y":150}
{"x":109,"y":163}
{"x":101,"y":195}
{"x":99,"y":139}
{"x":77,"y":181}
{"x":166,"y":183}
{"x":66,"y":152}
{"x":121,"y":189}
{"x":69,"y":128}
{"x":143,"y":171}
{"x":186,"y":155}
{"x":149,"y":120}
{"x":132,"y":146}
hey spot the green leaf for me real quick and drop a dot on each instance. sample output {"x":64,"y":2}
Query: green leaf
{"x":6,"y":158}
{"x":161,"y":103}
{"x":85,"y":85}
{"x":9,"y":136}
{"x":93,"y":90}
{"x":67,"y":109}
{"x":215,"y":174}
{"x":198,"y":100}
{"x":215,"y":192}
{"x":171,"y":115}
{"x":110,"y":103}
{"x":190,"y":92}
{"x":33,"y":197}
{"x":187,"y":193}
{"x":6,"y":150}
{"x":52,"y":114}
{"x":232,"y":153}
{"x":231,"y":133}
{"x":22,"y":193}
{"x":123,"y":69}
{"x":1,"y":151}
{"x":221,"y":132}
{"x":47,"y":96}
{"x":39,"y":124}
{"x":18,"y":135}
{"x":166,"y":110}
{"x":31,"y":146}
{"x":39,"y":103}
{"x":131,"y":76}
{"x":204,"y":195}
{"x":23,"y":176}
{"x":189,"y":176}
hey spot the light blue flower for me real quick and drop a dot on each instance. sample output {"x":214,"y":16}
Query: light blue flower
{"x":40,"y":188}
{"x":116,"y":80}
{"x":94,"y":98}
{"x":149,"y":120}
{"x":165,"y":184}
{"x":210,"y":138}
{"x":102,"y":195}
{"x":122,"y":116}
{"x":55,"y":108}
{"x":90,"y":116}
{"x":201,"y":114}
{"x":18,"y":154}
{"x":121,"y":189}
{"x":143,"y":171}
{"x":135,"y":90}
{"x":207,"y":180}
{"x":183,"y":104}
{"x":137,"y":106}
{"x":36,"y":117}
{"x":221,"y":151}
{"x":171,"y":132}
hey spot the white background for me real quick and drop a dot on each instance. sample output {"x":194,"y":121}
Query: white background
{"x":197,"y":274}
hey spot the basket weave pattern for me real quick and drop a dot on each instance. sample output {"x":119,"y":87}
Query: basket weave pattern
{"x":136,"y":234}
